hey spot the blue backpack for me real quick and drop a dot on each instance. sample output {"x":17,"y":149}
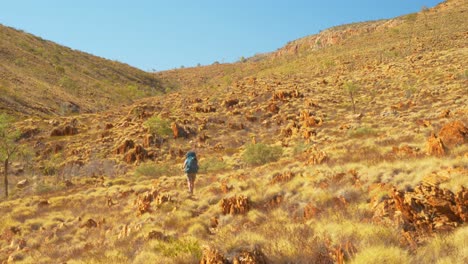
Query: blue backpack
{"x":191,"y":164}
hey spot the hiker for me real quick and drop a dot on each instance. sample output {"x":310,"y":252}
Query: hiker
{"x":191,"y":168}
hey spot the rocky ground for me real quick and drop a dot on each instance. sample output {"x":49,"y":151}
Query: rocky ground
{"x":372,"y":133}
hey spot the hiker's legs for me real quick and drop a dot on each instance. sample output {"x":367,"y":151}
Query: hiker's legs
{"x":190,"y":181}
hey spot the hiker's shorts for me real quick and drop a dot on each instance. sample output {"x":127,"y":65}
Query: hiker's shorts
{"x":191,"y":176}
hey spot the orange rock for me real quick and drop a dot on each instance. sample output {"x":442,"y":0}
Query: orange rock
{"x":125,"y":146}
{"x":254,"y":256}
{"x":282,"y":177}
{"x":423,"y":211}
{"x":230,"y":103}
{"x":64,"y":131}
{"x":90,"y":223}
{"x":213,"y":256}
{"x":405,"y":151}
{"x":235,"y":205}
{"x":435,"y":146}
{"x":311,"y":211}
{"x":453,"y":134}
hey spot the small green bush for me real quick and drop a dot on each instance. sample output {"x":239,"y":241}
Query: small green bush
{"x":212,"y":165}
{"x":158,"y":126}
{"x":155,"y":171}
{"x":178,"y":247}
{"x":259,"y":154}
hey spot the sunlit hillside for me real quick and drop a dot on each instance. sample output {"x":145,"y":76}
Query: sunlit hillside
{"x":349,"y":146}
{"x":39,"y":77}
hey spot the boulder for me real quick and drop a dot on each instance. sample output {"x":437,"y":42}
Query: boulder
{"x":453,"y":134}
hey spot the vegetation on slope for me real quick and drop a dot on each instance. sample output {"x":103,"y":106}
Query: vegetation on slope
{"x":40,"y":77}
{"x":293,"y":168}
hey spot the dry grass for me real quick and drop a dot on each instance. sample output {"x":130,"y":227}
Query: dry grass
{"x":359,"y":150}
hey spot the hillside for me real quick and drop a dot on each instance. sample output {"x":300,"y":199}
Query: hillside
{"x":39,"y":77}
{"x":351,"y":151}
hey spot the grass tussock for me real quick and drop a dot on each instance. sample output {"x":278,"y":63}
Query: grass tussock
{"x":259,"y":154}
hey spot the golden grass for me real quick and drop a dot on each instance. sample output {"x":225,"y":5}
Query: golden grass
{"x":382,"y":254}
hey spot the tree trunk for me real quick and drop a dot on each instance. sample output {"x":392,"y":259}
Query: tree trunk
{"x":6,"y":177}
{"x":352,"y":100}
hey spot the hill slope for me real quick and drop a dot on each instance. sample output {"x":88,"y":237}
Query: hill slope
{"x":39,"y":77}
{"x":355,"y":151}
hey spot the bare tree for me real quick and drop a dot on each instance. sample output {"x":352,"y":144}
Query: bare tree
{"x":351,"y":89}
{"x":8,"y":145}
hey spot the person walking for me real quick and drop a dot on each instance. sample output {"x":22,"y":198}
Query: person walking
{"x":191,"y":169}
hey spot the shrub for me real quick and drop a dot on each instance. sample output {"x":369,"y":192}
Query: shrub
{"x":259,"y":154}
{"x":158,"y":126}
{"x":178,"y":247}
{"x":155,"y":171}
{"x":212,"y":165}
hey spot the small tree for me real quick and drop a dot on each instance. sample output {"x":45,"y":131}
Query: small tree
{"x":351,"y":89}
{"x":8,"y":145}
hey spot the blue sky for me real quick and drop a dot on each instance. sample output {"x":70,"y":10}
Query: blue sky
{"x":169,"y":34}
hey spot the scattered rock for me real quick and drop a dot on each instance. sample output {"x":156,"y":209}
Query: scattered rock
{"x":212,"y":256}
{"x":435,"y":146}
{"x":317,"y":157}
{"x":242,"y":256}
{"x":156,"y":235}
{"x":310,"y":211}
{"x":137,"y":154}
{"x":29,"y":132}
{"x":68,"y":183}
{"x":235,"y":205}
{"x":282,"y":177}
{"x":43,"y":203}
{"x":90,"y":223}
{"x":405,"y":151}
{"x":23,"y":183}
{"x":126,"y":145}
{"x":230,"y":103}
{"x":254,"y":256}
{"x":65,"y":131}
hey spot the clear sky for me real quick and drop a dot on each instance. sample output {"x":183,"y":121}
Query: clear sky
{"x":160,"y":35}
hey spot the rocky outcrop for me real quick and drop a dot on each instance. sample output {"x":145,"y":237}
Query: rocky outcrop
{"x":235,"y":205}
{"x":242,"y":256}
{"x":435,"y":146}
{"x":334,"y":36}
{"x":454,"y":134}
{"x":282,"y":177}
{"x":450,"y":136}
{"x":143,"y":201}
{"x":125,"y":146}
{"x":423,"y":211}
{"x":67,"y":130}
